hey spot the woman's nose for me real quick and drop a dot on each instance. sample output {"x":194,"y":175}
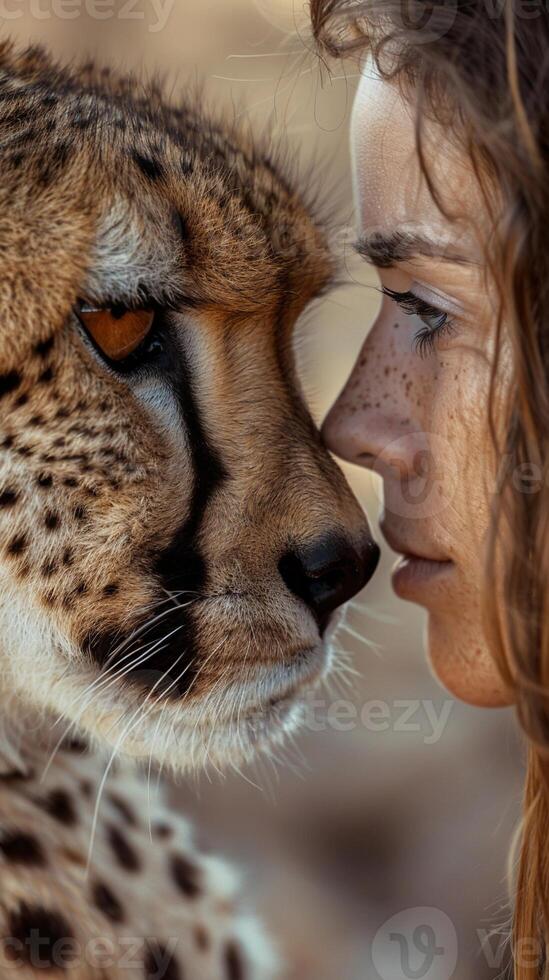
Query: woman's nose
{"x":372,"y":423}
{"x":373,"y":439}
{"x":346,"y":433}
{"x":366,"y":434}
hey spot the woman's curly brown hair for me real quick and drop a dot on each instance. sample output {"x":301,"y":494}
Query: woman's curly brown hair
{"x":482,"y":68}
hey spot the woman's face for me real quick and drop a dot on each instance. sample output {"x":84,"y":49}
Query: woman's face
{"x":415,"y":408}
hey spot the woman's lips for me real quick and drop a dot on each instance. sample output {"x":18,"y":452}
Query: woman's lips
{"x":412,"y":575}
{"x":415,"y":575}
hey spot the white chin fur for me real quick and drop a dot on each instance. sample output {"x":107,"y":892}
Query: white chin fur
{"x":186,"y":748}
{"x":49,"y":686}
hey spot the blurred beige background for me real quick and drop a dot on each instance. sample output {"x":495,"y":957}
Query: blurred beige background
{"x":414,"y":806}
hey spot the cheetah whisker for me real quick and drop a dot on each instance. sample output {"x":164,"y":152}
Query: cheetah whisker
{"x":105,"y":680}
{"x":246,"y":778}
{"x":376,"y":614}
{"x":139,"y":715}
{"x":92,"y":690}
{"x":142,"y":628}
{"x":106,"y":674}
{"x":264,"y":54}
{"x":155,"y":735}
{"x":103,"y":683}
{"x":149,"y":768}
{"x":156,"y":648}
{"x":362,"y":639}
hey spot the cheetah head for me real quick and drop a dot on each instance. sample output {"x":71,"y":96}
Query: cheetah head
{"x":173,"y":536}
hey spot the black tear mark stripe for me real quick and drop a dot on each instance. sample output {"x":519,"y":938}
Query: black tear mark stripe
{"x":171,"y":667}
{"x":209,"y":473}
{"x":181,"y":567}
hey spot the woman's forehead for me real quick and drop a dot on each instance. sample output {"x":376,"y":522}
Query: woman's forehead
{"x":382,"y":150}
{"x":390,"y":189}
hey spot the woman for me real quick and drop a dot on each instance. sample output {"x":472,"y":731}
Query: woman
{"x":449,"y":399}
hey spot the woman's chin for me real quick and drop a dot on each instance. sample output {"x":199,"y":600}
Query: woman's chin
{"x":464,"y":666}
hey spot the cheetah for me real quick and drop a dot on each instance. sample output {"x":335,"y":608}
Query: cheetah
{"x":174,"y":538}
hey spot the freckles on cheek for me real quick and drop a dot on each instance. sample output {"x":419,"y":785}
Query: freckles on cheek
{"x":460,"y":418}
{"x":390,"y":380}
{"x":383,"y":381}
{"x":462,"y":397}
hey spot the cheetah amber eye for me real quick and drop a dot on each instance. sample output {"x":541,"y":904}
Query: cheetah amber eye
{"x":118,"y":332}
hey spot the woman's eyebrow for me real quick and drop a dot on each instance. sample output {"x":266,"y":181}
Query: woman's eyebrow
{"x":386,"y":250}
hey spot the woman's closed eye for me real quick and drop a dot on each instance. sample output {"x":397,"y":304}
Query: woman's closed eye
{"x":436,"y":322}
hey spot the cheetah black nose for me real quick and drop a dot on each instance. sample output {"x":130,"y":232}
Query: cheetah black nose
{"x":328,"y":572}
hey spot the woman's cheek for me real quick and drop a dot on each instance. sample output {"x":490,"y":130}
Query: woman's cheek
{"x":458,"y":651}
{"x":461,"y":661}
{"x":467,"y":459}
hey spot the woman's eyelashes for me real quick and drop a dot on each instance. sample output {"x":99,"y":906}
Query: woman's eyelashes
{"x":436,"y":322}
